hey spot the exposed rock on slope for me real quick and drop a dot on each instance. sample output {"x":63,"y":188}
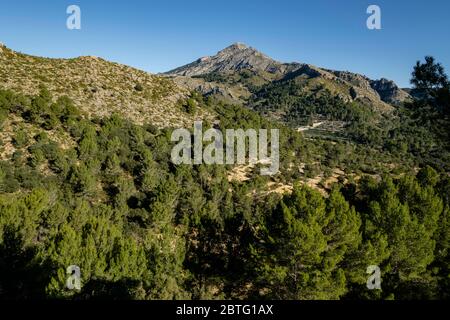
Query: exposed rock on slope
{"x":389,"y":91}
{"x":225,"y":92}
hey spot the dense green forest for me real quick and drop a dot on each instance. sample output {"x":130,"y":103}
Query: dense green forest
{"x":102,"y":194}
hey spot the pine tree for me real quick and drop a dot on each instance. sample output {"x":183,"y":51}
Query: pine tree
{"x":305,"y":241}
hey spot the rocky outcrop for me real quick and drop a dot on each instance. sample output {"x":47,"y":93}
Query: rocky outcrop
{"x":236,"y":57}
{"x":389,"y":92}
{"x":385,"y":89}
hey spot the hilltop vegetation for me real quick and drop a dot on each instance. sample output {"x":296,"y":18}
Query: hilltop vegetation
{"x":99,"y":87}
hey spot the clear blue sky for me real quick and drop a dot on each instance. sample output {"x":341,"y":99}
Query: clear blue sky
{"x":160,"y":35}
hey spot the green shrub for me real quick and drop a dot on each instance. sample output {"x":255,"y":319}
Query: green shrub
{"x":20,"y":138}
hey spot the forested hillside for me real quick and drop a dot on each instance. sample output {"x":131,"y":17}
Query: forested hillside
{"x":100,"y":191}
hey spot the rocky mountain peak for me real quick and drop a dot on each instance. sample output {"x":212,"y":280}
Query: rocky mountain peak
{"x":238,"y":51}
{"x":235,"y":57}
{"x":237,"y":46}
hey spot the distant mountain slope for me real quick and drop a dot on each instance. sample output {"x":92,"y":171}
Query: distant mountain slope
{"x":98,"y":86}
{"x":238,"y":71}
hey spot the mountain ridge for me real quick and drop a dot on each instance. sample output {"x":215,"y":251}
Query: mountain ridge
{"x":99,"y":87}
{"x":238,"y":57}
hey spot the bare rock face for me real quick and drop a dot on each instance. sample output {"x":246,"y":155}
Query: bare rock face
{"x":389,"y":91}
{"x":355,"y":79}
{"x":236,"y":57}
{"x":383,"y":89}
